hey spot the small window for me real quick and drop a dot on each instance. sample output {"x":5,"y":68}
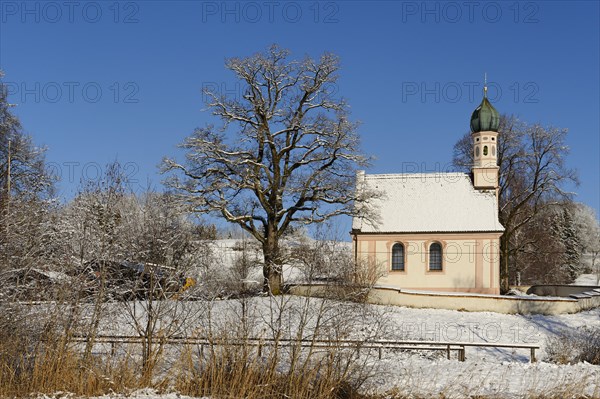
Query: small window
{"x":398,"y":257}
{"x":477,"y":139}
{"x":477,"y":151}
{"x":485,"y":150}
{"x":435,"y":256}
{"x":493,"y":139}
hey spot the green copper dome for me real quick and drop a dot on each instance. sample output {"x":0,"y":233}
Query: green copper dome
{"x":485,"y":117}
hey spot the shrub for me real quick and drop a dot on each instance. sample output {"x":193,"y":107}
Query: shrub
{"x":583,"y":345}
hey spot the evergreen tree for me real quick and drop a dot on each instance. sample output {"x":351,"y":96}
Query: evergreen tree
{"x":568,"y":249}
{"x":572,"y":244}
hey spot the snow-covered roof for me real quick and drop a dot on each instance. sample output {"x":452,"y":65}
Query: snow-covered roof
{"x":428,"y":202}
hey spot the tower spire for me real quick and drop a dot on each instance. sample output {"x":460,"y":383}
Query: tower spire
{"x":485,"y":121}
{"x":485,"y":84}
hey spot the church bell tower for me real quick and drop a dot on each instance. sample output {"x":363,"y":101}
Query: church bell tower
{"x":484,"y":133}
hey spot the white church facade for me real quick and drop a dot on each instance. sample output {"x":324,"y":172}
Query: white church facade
{"x":437,"y":231}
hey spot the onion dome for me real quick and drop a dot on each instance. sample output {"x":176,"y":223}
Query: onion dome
{"x":485,"y":117}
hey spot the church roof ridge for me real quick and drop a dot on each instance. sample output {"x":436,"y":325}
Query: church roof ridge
{"x":418,"y":175}
{"x":429,"y":202}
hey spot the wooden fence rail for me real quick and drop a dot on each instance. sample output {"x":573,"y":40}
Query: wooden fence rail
{"x":260,"y":343}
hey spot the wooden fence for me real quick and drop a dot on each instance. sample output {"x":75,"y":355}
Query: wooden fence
{"x":260,"y":343}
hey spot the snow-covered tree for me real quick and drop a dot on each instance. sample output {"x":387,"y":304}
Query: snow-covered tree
{"x":565,"y":231}
{"x":22,"y":164}
{"x":588,"y":230}
{"x":25,"y":201}
{"x":287,"y":152}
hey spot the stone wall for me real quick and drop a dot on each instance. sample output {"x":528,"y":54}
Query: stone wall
{"x":467,"y":301}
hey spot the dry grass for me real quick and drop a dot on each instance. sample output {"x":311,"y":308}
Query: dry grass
{"x":225,"y":371}
{"x":35,"y":358}
{"x":239,"y":371}
{"x":36,"y":355}
{"x":221,"y":371}
{"x":53,"y":366}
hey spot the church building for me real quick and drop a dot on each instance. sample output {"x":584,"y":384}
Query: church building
{"x":437,"y":231}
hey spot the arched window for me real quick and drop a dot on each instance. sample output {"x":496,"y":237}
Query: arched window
{"x":477,"y":151}
{"x":435,"y":256}
{"x":398,"y":257}
{"x":485,"y":150}
{"x":494,"y":150}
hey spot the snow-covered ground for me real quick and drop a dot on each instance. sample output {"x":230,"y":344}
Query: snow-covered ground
{"x":487,"y":372}
{"x":588,"y":279}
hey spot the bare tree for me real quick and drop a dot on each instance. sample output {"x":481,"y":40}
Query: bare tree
{"x":26,"y":211}
{"x":22,"y":164}
{"x":136,"y":255}
{"x":289,"y":158}
{"x":163,"y":245}
{"x":25,"y":190}
{"x":532,"y":177}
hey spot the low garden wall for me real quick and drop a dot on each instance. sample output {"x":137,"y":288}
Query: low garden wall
{"x":563,"y":290}
{"x":469,"y":302}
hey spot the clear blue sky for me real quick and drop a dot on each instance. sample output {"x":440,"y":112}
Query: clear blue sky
{"x":105,"y":80}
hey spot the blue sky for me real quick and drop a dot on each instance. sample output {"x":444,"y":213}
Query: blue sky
{"x":97,"y":81}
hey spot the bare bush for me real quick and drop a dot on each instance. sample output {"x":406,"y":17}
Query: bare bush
{"x":300,"y":352}
{"x":331,"y":261}
{"x":240,"y":279}
{"x":571,"y":347}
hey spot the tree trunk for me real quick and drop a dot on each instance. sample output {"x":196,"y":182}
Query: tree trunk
{"x":273,"y":280}
{"x":504,"y":255}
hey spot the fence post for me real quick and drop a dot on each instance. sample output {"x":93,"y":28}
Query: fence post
{"x":380,"y":350}
{"x":533,"y":360}
{"x":448,"y":351}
